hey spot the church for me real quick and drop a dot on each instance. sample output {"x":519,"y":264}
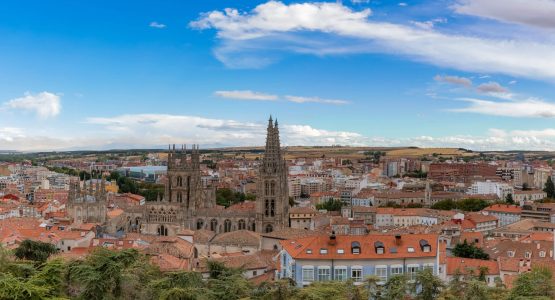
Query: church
{"x":187,"y":204}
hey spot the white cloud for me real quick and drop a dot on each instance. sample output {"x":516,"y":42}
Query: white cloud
{"x":272,"y":27}
{"x":158,"y":130}
{"x":164,"y":129}
{"x":403,"y":4}
{"x":539,"y":13}
{"x":246,"y":95}
{"x":299,"y":99}
{"x":428,"y":25}
{"x":530,"y":108}
{"x":157,"y":25}
{"x":44,"y":104}
{"x":8,"y":134}
{"x":512,"y":82}
{"x":491,"y":87}
{"x":466,"y":82}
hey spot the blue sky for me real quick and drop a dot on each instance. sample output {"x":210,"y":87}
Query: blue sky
{"x":462,"y":73}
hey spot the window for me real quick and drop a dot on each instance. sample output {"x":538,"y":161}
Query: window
{"x":380,"y":249}
{"x":308,"y":251}
{"x":396,"y":270}
{"x":412,"y":270}
{"x":527,"y":254}
{"x":341,"y":273}
{"x":381,"y":272}
{"x":323,"y":251}
{"x":308,"y":273}
{"x":542,"y":253}
{"x":355,"y":247}
{"x":340,"y":251}
{"x":510,"y":253}
{"x":429,"y":266}
{"x":356,"y":273}
{"x":410,"y":249}
{"x":323,"y":273}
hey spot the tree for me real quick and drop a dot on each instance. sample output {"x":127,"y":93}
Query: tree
{"x":330,"y":205}
{"x":427,"y":286}
{"x":549,"y":188}
{"x":467,"y":250}
{"x":396,"y":288}
{"x":447,"y":204}
{"x":101,"y":274}
{"x":525,"y":186}
{"x":536,"y":283}
{"x":509,"y":199}
{"x":35,"y":250}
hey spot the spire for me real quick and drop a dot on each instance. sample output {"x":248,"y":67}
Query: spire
{"x":270,"y":122}
{"x":276,"y":123}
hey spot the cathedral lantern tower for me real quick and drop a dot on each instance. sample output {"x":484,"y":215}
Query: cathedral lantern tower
{"x":272,"y":203}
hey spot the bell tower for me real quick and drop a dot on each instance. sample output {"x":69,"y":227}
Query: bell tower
{"x":272,"y":203}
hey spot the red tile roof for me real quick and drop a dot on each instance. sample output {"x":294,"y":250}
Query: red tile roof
{"x":469,"y":265}
{"x":298,"y":248}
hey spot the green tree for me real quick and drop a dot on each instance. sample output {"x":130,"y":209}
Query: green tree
{"x":467,"y":250}
{"x":427,"y":286}
{"x":536,"y":283}
{"x":549,"y":188}
{"x":509,"y":199}
{"x":330,"y":205}
{"x":396,"y":287}
{"x":35,"y":250}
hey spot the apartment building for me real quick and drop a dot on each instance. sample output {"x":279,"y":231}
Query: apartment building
{"x":342,"y":257}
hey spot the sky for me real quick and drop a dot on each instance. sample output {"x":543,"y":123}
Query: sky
{"x":474,"y":74}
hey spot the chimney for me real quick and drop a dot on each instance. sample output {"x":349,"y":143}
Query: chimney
{"x":332,"y":240}
{"x":398,"y":239}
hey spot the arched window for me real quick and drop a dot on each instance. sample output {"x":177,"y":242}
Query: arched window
{"x":253,"y":227}
{"x":179,"y":197}
{"x":162,"y":230}
{"x":179,"y":181}
{"x":269,"y":228}
{"x":227,"y":225}
{"x":266,"y":188}
{"x":214,"y":225}
{"x":272,"y":207}
{"x":272,"y":188}
{"x":241,"y":224}
{"x":267,"y":207}
{"x":200,"y":224}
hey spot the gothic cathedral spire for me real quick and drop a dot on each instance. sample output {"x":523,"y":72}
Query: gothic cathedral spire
{"x":272,"y":207}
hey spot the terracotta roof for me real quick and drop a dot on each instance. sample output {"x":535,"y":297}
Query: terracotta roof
{"x":246,"y":262}
{"x":238,"y":237}
{"x":169,"y":263}
{"x":504,"y":208}
{"x":243,"y":206}
{"x":290,"y":233}
{"x":301,"y":210}
{"x":469,"y":265}
{"x":298,"y":248}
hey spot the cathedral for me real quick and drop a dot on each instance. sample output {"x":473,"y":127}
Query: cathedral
{"x":187,"y":204}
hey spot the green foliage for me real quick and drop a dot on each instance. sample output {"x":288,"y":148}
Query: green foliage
{"x":427,"y":286}
{"x":467,"y":250}
{"x":396,"y":288}
{"x":549,"y":188}
{"x":227,"y":197}
{"x":150,"y":191}
{"x":328,"y":290}
{"x":330,"y":205}
{"x":469,"y":204}
{"x":126,"y":274}
{"x":537,"y":283}
{"x":35,"y":251}
{"x":509,"y":199}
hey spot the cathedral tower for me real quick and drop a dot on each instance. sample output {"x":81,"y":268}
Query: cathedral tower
{"x":272,"y":203}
